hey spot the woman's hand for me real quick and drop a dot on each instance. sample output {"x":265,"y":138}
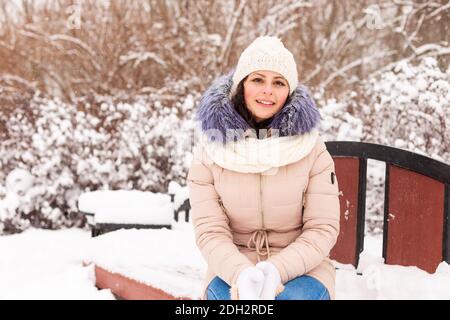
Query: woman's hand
{"x":272,"y":280}
{"x":250,"y":284}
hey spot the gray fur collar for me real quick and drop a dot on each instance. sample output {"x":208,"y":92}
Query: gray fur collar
{"x":216,"y":113}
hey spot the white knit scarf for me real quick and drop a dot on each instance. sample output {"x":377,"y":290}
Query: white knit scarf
{"x":253,"y":155}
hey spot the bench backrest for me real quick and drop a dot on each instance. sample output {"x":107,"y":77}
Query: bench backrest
{"x":416,"y":205}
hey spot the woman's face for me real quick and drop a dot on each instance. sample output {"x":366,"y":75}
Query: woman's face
{"x":265,"y":92}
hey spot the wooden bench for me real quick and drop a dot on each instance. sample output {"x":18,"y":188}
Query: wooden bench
{"x":416,"y":205}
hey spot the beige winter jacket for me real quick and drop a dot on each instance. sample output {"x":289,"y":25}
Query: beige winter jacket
{"x":290,"y":217}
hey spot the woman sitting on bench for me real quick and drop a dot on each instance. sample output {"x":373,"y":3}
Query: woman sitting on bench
{"x":263,"y":190}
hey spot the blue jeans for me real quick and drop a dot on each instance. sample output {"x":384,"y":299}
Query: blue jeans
{"x":300,"y":288}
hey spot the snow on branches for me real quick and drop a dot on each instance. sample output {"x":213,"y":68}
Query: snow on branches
{"x":69,"y":149}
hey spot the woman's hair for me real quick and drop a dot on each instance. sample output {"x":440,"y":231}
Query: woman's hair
{"x":238,"y":101}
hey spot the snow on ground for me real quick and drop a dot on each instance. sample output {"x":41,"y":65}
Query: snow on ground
{"x":42,"y":264}
{"x":378,"y":281}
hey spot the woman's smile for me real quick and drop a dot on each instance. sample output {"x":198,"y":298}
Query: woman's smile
{"x":265,"y":103}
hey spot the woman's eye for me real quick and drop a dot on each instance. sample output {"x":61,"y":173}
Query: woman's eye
{"x":277,"y":83}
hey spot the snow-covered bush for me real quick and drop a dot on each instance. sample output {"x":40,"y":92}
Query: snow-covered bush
{"x":18,"y":182}
{"x":406,"y":107}
{"x":338,"y":123}
{"x":105,"y":144}
{"x":409,"y":109}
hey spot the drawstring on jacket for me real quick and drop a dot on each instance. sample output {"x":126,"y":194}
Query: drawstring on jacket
{"x":260,"y":241}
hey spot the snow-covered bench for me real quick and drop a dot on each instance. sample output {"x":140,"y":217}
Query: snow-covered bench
{"x":180,"y":198}
{"x":111,"y":210}
{"x":149,"y":264}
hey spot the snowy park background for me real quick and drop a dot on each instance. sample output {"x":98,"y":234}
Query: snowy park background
{"x":100,"y":95}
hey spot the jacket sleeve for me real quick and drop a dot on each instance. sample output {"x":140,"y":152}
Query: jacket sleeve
{"x":211,"y":225}
{"x":320,"y":220}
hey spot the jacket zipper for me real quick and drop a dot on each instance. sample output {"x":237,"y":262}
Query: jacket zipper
{"x":261,"y":212}
{"x":221,"y":204}
{"x":303,"y":200}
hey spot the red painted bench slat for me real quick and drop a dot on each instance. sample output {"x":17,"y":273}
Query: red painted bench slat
{"x":347,"y":172}
{"x":415,"y":220}
{"x":129,"y":289}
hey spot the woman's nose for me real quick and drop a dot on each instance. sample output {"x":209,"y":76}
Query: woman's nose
{"x":268,"y":89}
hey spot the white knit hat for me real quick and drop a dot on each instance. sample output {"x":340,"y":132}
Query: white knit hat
{"x":266,"y":53}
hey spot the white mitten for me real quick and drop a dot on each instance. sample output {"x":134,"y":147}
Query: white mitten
{"x":250,"y":283}
{"x":272,"y":280}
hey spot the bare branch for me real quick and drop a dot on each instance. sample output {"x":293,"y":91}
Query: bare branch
{"x":410,"y":38}
{"x":430,"y":49}
{"x":14,"y":78}
{"x":313,"y":74}
{"x":78,"y":42}
{"x":231,"y":30}
{"x":437,"y":11}
{"x":341,"y":71}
